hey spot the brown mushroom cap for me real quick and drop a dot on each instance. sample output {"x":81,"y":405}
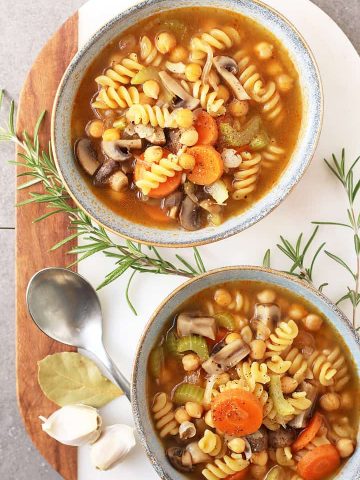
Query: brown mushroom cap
{"x":227,"y":357}
{"x":190,"y":215}
{"x":86,"y":155}
{"x":187,"y":101}
{"x":119,"y":150}
{"x":227,"y":68}
{"x":195,"y":323}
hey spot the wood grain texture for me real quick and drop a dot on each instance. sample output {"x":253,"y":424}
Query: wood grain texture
{"x":33,"y":242}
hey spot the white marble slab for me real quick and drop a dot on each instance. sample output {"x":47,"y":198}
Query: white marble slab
{"x":317,"y":197}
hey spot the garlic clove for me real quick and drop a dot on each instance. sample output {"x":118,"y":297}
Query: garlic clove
{"x":187,"y":430}
{"x":112,"y":447}
{"x":74,"y":425}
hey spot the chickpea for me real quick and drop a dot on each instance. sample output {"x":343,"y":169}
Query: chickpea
{"x":258,"y":472}
{"x":288,"y":384}
{"x":111,"y":134}
{"x":181,"y":415}
{"x":184,"y":117}
{"x":208,"y":419}
{"x":165,"y":42}
{"x":153,"y":154}
{"x":266,"y":296}
{"x":237,"y":445}
{"x":120,"y":123}
{"x":222,"y":378}
{"x":284,"y":82}
{"x":260,"y":458}
{"x":297,"y":311}
{"x":193,"y":72}
{"x":313,"y":322}
{"x":264,"y":50}
{"x":345,"y":447}
{"x":191,"y":362}
{"x":223,"y":93}
{"x":232,"y":337}
{"x":151,"y":89}
{"x":258,"y":348}
{"x":238,"y":108}
{"x":330,"y":402}
{"x":145,"y":100}
{"x":194,"y":409}
{"x":186,"y":161}
{"x":178,"y":54}
{"x":222,"y":297}
{"x":189,"y":137}
{"x":346,"y":400}
{"x":95,"y":129}
{"x":274,"y":68}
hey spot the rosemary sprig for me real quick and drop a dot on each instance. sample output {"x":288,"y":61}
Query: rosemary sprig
{"x":351,"y":187}
{"x":40,"y":168}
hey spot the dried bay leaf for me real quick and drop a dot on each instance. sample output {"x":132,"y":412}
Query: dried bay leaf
{"x":67,"y":378}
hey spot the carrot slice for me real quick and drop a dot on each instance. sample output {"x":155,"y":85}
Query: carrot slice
{"x":209,"y":165}
{"x":206,"y":128}
{"x":319,"y":463}
{"x":237,"y":412}
{"x":239,"y":475}
{"x":164,"y":189}
{"x":307,"y":435}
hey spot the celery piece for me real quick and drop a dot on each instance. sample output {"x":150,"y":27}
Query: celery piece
{"x":282,"y":407}
{"x":187,"y":392}
{"x":260,"y":141}
{"x":147,"y":73}
{"x":230,"y":137}
{"x":156,"y":361}
{"x":225,"y":320}
{"x":171,"y":343}
{"x":194,"y":343}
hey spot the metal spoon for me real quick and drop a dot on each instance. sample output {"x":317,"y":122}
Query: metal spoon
{"x":66,"y":308}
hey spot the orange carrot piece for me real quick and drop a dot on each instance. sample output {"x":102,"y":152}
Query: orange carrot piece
{"x":319,"y":463}
{"x":206,"y":128}
{"x":237,"y":412}
{"x":307,"y":435}
{"x":209,"y":165}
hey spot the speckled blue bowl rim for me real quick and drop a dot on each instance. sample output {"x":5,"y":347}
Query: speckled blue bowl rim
{"x":304,"y":150}
{"x":165,"y":311}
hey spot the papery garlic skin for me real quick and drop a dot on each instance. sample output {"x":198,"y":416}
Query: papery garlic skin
{"x":112,"y":447}
{"x":74,"y":425}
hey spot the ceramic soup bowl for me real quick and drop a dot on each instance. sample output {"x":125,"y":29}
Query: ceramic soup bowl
{"x":139,"y":398}
{"x":304,"y":149}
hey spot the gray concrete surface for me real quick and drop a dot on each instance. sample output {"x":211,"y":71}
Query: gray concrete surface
{"x":24,"y":27}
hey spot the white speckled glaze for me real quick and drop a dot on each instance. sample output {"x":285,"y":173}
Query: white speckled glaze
{"x":173,"y":302}
{"x":304,"y":150}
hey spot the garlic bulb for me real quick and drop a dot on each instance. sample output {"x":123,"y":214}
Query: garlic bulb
{"x":74,"y":425}
{"x":114,"y":444}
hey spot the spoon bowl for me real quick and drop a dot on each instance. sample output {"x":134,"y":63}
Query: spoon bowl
{"x":66,"y":308}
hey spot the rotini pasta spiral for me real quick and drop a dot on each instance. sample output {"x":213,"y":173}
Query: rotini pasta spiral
{"x":278,"y":365}
{"x":216,"y":39}
{"x":272,"y":154}
{"x":298,"y":364}
{"x":283,"y":337}
{"x":208,"y":97}
{"x":341,"y":428}
{"x":299,"y":402}
{"x":252,"y":373}
{"x":239,"y":303}
{"x":210,"y":443}
{"x":120,"y":73}
{"x":338,"y":362}
{"x":322,"y":368}
{"x":228,"y":465}
{"x":272,"y":420}
{"x":284,"y":457}
{"x":156,"y":116}
{"x":121,"y":97}
{"x":163,"y":413}
{"x":158,"y":173}
{"x":245,"y":178}
{"x":149,"y":53}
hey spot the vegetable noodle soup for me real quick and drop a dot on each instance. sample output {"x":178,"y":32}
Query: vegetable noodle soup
{"x":188,"y":118}
{"x":248,"y":381}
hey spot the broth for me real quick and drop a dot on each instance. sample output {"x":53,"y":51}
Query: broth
{"x":261,"y":163}
{"x":332,"y":389}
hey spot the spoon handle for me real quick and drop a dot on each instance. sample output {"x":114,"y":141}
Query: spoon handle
{"x":110,"y":366}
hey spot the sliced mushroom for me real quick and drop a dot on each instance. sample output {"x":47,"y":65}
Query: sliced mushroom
{"x":172,"y":204}
{"x":210,"y":206}
{"x":108,"y":168}
{"x":187,"y":101}
{"x":118,"y":181}
{"x":119,"y":149}
{"x":312,"y":392}
{"x":259,"y":440}
{"x":195,"y":323}
{"x":227,"y":68}
{"x":227,"y":357}
{"x":157,"y":137}
{"x":173,"y":140}
{"x":197,"y":455}
{"x":187,"y":430}
{"x":281,"y":438}
{"x":86,"y":155}
{"x":144,"y":131}
{"x":190,"y":215}
{"x":265,"y":318}
{"x":180,"y":459}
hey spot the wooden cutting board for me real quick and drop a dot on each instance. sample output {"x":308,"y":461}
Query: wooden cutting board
{"x":33,"y":242}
